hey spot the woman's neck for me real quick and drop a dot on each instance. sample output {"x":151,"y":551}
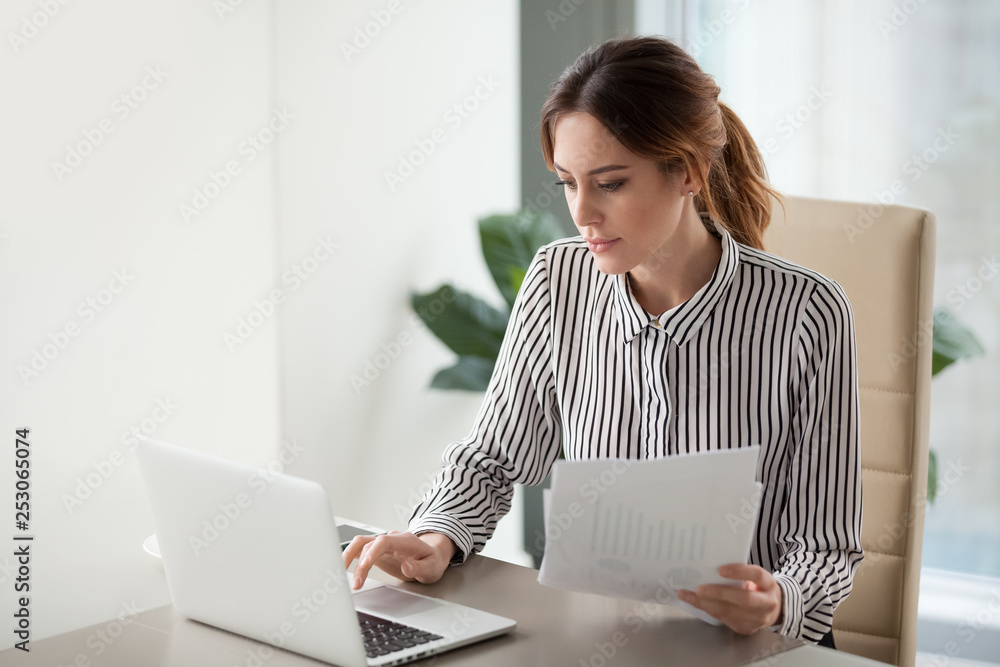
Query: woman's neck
{"x":678,"y":269}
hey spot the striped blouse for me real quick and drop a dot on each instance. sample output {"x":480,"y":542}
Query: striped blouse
{"x":764,"y":353}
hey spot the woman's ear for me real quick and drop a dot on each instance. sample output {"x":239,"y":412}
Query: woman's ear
{"x":692,"y":183}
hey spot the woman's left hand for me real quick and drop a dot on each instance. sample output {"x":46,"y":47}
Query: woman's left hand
{"x":755,"y":605}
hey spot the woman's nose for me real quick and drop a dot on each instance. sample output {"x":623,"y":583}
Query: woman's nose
{"x":584,"y":210}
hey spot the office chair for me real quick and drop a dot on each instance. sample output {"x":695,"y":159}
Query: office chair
{"x":883,"y":257}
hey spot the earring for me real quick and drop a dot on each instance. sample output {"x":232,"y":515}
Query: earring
{"x":690,"y":193}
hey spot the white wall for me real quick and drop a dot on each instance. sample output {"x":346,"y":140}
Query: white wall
{"x":375,"y":445}
{"x":161,"y":337}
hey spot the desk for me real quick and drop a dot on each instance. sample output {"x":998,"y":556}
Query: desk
{"x":554,"y":627}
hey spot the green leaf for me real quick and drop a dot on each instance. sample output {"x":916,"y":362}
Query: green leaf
{"x":466,"y":324}
{"x":952,"y":341}
{"x":931,"y":476}
{"x":510,"y":242}
{"x":517,"y":275}
{"x":469,"y":374}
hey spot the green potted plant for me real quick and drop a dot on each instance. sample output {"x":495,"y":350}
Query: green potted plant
{"x":472,"y":328}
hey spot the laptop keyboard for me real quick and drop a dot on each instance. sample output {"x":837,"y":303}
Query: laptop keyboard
{"x":383,"y":637}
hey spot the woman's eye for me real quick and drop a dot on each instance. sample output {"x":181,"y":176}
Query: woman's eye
{"x":607,"y":187}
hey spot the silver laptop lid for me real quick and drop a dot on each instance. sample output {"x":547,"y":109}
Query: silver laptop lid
{"x":213,"y":558}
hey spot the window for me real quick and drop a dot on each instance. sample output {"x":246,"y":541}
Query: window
{"x":898,"y":102}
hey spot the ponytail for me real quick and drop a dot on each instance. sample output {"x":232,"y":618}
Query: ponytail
{"x":738,"y":194}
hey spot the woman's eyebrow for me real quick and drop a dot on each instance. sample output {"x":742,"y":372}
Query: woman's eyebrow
{"x":599,"y":170}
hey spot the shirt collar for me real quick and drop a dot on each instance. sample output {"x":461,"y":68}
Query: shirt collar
{"x":683,"y":321}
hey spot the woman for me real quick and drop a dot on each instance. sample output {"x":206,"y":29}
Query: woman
{"x":665,"y":329}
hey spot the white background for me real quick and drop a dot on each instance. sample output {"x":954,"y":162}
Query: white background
{"x":162,"y":335}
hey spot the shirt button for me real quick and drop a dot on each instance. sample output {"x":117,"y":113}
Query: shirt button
{"x":656,"y":323}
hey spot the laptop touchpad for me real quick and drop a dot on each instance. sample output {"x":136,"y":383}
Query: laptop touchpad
{"x":389,"y":601}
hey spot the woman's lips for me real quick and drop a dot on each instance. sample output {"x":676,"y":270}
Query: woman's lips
{"x":601,"y":245}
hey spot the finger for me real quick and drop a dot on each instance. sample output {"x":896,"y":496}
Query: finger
{"x":353,"y":549}
{"x":763,"y":579}
{"x":370,"y":553}
{"x":713,"y":607}
{"x":745,"y":604}
{"x":740,"y":597}
{"x":734,"y":617}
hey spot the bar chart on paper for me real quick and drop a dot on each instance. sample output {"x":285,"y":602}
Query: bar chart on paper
{"x":626,"y":543}
{"x":624,"y":532}
{"x":662,"y":526}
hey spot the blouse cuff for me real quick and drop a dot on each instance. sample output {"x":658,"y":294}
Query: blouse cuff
{"x":446,"y":524}
{"x":791,"y":596}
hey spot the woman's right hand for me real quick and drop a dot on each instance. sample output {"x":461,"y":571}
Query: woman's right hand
{"x":406,"y":556}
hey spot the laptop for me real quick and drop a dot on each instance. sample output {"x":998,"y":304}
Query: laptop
{"x":259,"y":554}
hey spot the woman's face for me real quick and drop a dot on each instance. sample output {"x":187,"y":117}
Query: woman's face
{"x":623,"y":205}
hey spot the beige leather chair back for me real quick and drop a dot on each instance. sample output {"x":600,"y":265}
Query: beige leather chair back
{"x":883,"y":257}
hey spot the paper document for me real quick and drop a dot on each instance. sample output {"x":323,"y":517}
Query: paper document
{"x":646,"y":529}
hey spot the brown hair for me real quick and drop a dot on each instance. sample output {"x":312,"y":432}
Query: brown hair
{"x":658,"y":103}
